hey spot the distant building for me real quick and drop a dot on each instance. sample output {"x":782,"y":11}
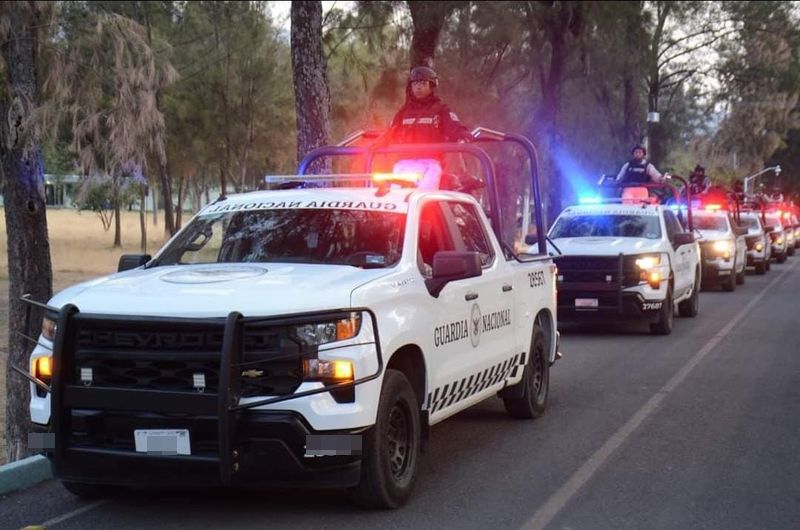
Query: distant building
{"x":60,"y":190}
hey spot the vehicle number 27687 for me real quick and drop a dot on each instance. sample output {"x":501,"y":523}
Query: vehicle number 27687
{"x":536,"y":278}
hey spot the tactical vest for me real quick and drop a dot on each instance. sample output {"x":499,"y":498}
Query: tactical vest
{"x":636,"y":172}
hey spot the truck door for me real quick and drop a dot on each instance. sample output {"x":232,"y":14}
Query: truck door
{"x":472,"y":322}
{"x":683,"y":256}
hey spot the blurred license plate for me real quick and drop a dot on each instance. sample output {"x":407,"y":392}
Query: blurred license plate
{"x":586,"y":302}
{"x":162,"y":441}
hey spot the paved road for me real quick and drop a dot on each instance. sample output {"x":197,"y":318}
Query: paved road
{"x":700,"y":429}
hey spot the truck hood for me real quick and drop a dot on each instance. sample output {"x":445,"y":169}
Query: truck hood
{"x":606,"y":246}
{"x":216,"y":290}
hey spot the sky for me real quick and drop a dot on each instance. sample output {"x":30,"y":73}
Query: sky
{"x":280,"y":10}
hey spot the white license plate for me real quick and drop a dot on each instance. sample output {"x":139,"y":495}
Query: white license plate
{"x":586,"y":302}
{"x":162,"y":441}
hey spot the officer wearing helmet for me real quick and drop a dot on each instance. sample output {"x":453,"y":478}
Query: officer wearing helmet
{"x":424,"y":118}
{"x":698,"y":181}
{"x":638,"y":169}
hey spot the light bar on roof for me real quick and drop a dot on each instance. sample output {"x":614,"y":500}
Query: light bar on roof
{"x":412,"y":178}
{"x":361,"y":178}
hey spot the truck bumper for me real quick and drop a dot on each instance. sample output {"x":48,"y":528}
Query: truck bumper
{"x":715,"y":271}
{"x":611,"y":306}
{"x":272,"y":449}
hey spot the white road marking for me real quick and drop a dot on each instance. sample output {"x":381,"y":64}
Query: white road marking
{"x":74,"y":513}
{"x":547,"y":512}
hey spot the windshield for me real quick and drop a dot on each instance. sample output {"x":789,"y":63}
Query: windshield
{"x":774,"y":220}
{"x":750,"y":222}
{"x":710,"y":222}
{"x":606,"y":225}
{"x":335,"y":237}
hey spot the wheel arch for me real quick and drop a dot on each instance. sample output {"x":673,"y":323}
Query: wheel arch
{"x":544,"y":318}
{"x":409,"y":360}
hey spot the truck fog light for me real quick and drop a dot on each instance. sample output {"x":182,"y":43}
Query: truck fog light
{"x":43,"y":368}
{"x":199,"y":382}
{"x":318,"y":369}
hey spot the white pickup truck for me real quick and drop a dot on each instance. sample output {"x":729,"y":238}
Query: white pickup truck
{"x":626,"y":260}
{"x":297,"y":337}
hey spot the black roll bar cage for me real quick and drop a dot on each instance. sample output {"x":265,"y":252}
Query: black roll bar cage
{"x":479,"y":134}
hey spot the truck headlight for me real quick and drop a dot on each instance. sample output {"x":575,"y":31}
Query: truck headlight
{"x":723,"y":248}
{"x":648,"y":262}
{"x":651,"y":269}
{"x":315,"y":334}
{"x":759,"y":246}
{"x":48,"y":329}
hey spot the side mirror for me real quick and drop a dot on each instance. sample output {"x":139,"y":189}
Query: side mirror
{"x":769,"y":229}
{"x":531,"y":239}
{"x":132,"y":261}
{"x":450,"y":266}
{"x":683,"y":238}
{"x":740,"y":231}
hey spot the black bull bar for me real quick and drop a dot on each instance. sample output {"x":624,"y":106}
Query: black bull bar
{"x":68,"y":394}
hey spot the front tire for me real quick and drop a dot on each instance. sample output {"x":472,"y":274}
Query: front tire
{"x":391,"y":447}
{"x":761,"y":268}
{"x":740,"y":277}
{"x":729,"y":284}
{"x":665,"y":316}
{"x":535,"y":383}
{"x":690,"y":308}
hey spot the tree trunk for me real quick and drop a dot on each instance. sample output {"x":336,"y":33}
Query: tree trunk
{"x":142,"y":221}
{"x":428,"y":19}
{"x":632,"y":128}
{"x":117,"y":220}
{"x":29,"y":268}
{"x":563,"y":19}
{"x":154,"y":196}
{"x":166,"y":188}
{"x":166,"y":192}
{"x":179,"y":207}
{"x":310,"y":76}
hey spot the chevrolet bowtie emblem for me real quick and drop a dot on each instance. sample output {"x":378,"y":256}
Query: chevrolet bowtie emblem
{"x":252,"y":374}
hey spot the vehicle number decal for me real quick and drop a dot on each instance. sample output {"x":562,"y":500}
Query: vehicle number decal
{"x":651,"y":306}
{"x":536,"y":278}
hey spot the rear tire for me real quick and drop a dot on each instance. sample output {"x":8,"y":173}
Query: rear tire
{"x":729,"y":284}
{"x":690,"y":308}
{"x":665,"y":316}
{"x":391,"y":448}
{"x":535,"y":383}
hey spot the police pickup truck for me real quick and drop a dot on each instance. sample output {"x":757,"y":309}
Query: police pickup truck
{"x":626,"y":259}
{"x":307,"y":336}
{"x":723,"y":247}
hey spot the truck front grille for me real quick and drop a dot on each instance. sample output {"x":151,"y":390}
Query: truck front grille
{"x":598,"y":269}
{"x":133,"y":356}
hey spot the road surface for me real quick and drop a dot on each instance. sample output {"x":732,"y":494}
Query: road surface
{"x":699,"y":429}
